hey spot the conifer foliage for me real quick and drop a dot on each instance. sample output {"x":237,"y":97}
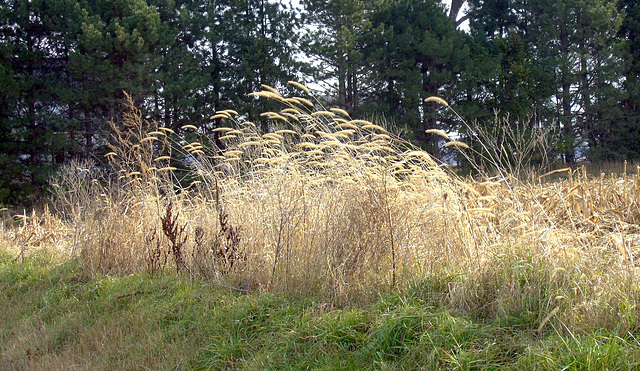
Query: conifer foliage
{"x":66,"y":66}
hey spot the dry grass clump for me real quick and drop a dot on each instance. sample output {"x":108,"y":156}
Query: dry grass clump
{"x":24,"y":234}
{"x":321,"y":203}
{"x":327,"y":205}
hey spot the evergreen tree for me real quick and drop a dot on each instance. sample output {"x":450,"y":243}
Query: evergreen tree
{"x":418,"y":55}
{"x":260,"y":46}
{"x":600,"y":56}
{"x":66,"y":64}
{"x":566,"y":64}
{"x":335,"y":40}
{"x":179,"y":67}
{"x":32,"y":135}
{"x":627,"y":138}
{"x":114,"y":56}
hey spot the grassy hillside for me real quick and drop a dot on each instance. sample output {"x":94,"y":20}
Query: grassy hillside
{"x":55,"y":317}
{"x":327,"y":242}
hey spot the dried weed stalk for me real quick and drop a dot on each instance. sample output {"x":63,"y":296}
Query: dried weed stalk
{"x":175,"y":232}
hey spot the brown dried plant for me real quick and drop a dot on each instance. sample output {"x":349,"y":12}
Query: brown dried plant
{"x":227,"y":242}
{"x":328,"y":205}
{"x":175,"y":233}
{"x":156,"y":254}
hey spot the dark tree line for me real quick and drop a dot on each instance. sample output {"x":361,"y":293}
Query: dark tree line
{"x":65,"y":65}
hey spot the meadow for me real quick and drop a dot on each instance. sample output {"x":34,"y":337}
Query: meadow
{"x":328,"y":243}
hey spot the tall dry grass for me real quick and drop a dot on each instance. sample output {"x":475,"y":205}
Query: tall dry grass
{"x":326,"y":205}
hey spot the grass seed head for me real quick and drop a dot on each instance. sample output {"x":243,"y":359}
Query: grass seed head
{"x":299,"y":86}
{"x":437,"y":100}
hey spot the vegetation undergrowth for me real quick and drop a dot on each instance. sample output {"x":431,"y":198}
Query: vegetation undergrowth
{"x":57,"y":317}
{"x":323,"y":211}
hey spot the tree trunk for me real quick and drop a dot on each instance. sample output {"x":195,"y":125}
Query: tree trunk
{"x":566,"y":118}
{"x":342,"y":86}
{"x":456,"y":5}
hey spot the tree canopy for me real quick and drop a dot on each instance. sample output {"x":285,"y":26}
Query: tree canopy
{"x":67,"y":65}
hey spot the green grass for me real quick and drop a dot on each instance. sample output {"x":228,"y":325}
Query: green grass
{"x":55,"y":317}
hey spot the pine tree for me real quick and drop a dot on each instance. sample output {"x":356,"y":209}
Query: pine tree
{"x":113,"y":57}
{"x":336,"y":42}
{"x":627,"y":137}
{"x":566,"y":65}
{"x":418,"y":55}
{"x":260,"y":39}
{"x":178,"y":66}
{"x":32,"y":136}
